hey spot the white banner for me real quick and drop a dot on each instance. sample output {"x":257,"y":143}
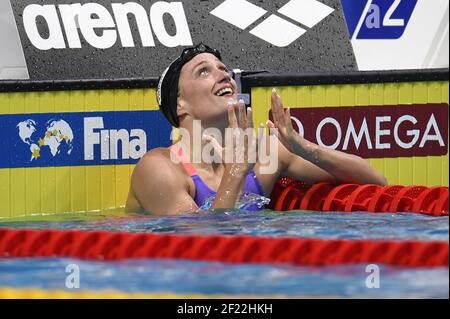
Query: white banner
{"x":12,"y":60}
{"x":400,"y":34}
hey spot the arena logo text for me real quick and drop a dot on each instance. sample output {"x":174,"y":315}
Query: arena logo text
{"x":100,"y":27}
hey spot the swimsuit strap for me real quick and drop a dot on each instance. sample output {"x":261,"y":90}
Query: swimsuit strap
{"x":190,"y":169}
{"x":203,"y":191}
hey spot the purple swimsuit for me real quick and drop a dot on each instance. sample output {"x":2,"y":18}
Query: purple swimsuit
{"x":203,"y":191}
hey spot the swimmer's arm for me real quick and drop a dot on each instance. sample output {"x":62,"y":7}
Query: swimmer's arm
{"x":155,"y":184}
{"x":230,"y":188}
{"x":312,"y":163}
{"x":233,"y":179}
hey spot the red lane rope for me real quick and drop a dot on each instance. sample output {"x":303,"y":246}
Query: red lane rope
{"x":289,"y":194}
{"x":232,"y":249}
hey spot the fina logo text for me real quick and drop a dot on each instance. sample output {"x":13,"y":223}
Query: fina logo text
{"x":133,"y":144}
{"x":58,"y":137}
{"x":101,"y":28}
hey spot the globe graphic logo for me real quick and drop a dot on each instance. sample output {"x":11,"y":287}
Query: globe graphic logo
{"x":58,"y":137}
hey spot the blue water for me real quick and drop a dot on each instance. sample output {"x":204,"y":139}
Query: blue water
{"x":404,"y":226}
{"x":185,"y":277}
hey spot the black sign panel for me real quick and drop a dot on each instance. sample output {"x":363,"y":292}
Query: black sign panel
{"x":80,"y":39}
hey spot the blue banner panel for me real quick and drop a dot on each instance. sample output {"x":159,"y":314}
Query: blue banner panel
{"x":80,"y":139}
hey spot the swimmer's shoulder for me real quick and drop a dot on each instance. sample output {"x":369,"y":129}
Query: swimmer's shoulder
{"x":156,"y":154}
{"x":155,"y":175}
{"x":157,"y":161}
{"x":158,"y":166}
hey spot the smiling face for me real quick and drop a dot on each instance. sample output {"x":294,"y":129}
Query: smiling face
{"x":205,"y":87}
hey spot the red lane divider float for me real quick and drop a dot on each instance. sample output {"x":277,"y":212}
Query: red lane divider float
{"x":289,"y":194}
{"x":232,"y":249}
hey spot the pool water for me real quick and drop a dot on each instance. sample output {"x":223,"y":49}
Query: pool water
{"x":189,"y":277}
{"x":214,"y":278}
{"x":302,"y":224}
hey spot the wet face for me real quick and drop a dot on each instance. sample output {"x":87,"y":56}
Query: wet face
{"x":205,"y":87}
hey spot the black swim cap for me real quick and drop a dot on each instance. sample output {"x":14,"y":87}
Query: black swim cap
{"x":167,"y":93}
